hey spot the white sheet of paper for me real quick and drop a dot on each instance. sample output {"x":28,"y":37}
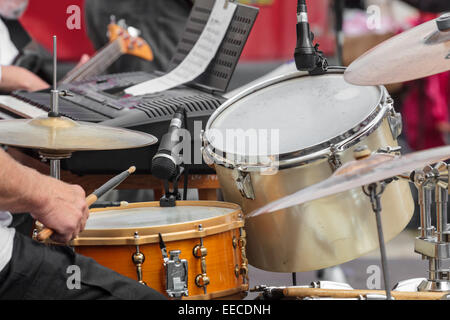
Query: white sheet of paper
{"x":198,"y":58}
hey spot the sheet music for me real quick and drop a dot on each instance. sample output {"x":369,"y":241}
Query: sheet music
{"x":198,"y":58}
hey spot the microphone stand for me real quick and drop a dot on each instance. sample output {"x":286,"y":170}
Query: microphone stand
{"x":339,"y":17}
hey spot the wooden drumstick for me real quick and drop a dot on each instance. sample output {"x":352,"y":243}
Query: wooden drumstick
{"x":300,"y":292}
{"x":93,"y":197}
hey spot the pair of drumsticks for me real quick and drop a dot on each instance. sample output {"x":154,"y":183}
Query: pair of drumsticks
{"x":93,"y":197}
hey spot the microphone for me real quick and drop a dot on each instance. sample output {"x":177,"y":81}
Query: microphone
{"x":165,"y":164}
{"x":305,"y":54}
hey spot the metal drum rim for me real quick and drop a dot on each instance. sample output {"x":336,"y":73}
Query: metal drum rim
{"x":313,"y":153}
{"x":170,"y":232}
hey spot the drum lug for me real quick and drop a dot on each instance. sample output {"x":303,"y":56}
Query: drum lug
{"x":395,"y":123}
{"x":334,"y":159}
{"x":237,"y":271}
{"x":138,"y":259}
{"x":244,"y":184}
{"x":242,"y":246}
{"x":390,"y":150}
{"x":200,"y":252}
{"x":234,"y":241}
{"x":176,"y":275}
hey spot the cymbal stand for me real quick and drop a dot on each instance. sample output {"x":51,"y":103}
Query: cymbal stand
{"x":374,"y":191}
{"x":433,"y":243}
{"x":55,"y":163}
{"x":55,"y":157}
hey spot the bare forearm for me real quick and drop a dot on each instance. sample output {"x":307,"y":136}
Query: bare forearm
{"x":17,"y":78}
{"x":20,"y":186}
{"x":58,"y":205}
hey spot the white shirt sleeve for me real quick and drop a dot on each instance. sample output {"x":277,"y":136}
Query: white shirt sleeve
{"x":8,"y":51}
{"x":6,"y":239}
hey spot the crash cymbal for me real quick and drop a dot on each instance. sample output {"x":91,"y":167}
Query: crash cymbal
{"x":55,"y":135}
{"x":417,"y":53}
{"x":375,"y":168}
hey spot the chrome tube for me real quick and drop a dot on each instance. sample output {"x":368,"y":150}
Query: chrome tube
{"x":55,"y":169}
{"x":441,"y":197}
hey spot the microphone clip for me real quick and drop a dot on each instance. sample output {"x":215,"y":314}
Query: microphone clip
{"x":321,"y":62}
{"x":170,"y":197}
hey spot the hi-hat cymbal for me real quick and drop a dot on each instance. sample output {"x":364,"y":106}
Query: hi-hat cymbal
{"x":377,"y":167}
{"x":417,"y":53}
{"x":54,"y":135}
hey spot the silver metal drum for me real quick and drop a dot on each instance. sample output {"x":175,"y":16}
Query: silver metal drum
{"x":318,"y":121}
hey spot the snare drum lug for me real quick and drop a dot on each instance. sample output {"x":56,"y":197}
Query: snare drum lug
{"x":237,"y":271}
{"x":244,"y":184}
{"x":200,"y":252}
{"x":202,"y":280}
{"x":242,"y":245}
{"x":395,"y":123}
{"x":234,"y":242}
{"x":138,"y":259}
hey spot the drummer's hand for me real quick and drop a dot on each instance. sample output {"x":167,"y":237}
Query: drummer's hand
{"x":62,"y":208}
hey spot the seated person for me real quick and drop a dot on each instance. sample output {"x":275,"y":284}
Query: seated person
{"x":32,"y":270}
{"x":13,"y":77}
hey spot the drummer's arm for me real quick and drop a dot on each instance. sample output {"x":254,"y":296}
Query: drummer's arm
{"x":18,"y":78}
{"x":56,"y":204}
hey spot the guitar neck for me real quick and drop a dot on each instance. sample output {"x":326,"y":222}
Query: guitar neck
{"x":96,"y":65}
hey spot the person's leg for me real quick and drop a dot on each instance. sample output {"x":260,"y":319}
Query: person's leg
{"x":37,"y":271}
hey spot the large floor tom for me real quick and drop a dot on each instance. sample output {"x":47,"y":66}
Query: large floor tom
{"x":315,"y":124}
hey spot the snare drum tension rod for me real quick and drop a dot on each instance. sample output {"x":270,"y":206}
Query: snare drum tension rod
{"x":138,"y":259}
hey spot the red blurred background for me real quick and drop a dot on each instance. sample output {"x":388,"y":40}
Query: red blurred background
{"x":273,"y":36}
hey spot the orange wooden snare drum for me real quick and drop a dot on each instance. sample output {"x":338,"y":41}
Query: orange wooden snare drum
{"x":201,"y":255}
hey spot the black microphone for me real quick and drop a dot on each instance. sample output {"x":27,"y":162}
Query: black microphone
{"x":165,"y":164}
{"x":305,"y":54}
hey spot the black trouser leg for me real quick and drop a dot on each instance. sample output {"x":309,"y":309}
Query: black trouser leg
{"x":37,"y":271}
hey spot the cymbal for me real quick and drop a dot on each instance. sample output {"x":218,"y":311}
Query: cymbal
{"x":375,"y":168}
{"x":57,"y":135}
{"x":417,"y":53}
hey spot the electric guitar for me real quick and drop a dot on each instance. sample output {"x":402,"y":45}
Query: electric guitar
{"x":122,"y":40}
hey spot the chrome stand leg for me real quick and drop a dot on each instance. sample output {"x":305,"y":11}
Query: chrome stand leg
{"x":55,"y":169}
{"x":375,"y":199}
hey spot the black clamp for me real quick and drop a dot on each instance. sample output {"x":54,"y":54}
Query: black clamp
{"x":443,"y":22}
{"x":170,"y":197}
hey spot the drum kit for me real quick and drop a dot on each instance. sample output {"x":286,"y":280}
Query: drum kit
{"x":335,"y":188}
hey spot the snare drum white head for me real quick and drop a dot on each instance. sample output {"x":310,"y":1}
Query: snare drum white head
{"x":306,"y":111}
{"x":146,"y":217}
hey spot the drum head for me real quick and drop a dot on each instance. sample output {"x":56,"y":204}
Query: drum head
{"x":145,"y":217}
{"x":306,"y":111}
